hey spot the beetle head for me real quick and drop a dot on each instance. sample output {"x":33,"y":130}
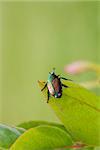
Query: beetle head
{"x":53,"y":72}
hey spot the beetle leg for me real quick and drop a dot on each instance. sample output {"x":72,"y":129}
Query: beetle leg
{"x":48,"y":94}
{"x":65,"y":79}
{"x":44,"y":87}
{"x":64,"y":85}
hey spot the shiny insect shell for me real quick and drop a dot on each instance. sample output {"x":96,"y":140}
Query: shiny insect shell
{"x":54,"y":85}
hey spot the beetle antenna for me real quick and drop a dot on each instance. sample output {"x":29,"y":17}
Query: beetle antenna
{"x":54,"y":69}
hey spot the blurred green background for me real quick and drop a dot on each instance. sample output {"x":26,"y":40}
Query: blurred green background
{"x":37,"y":36}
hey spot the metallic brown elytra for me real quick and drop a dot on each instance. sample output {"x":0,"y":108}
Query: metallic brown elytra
{"x":54,"y":85}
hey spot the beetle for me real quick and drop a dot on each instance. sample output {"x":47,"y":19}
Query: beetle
{"x":54,"y":85}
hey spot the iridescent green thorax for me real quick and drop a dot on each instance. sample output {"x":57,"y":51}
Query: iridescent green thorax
{"x":51,"y":77}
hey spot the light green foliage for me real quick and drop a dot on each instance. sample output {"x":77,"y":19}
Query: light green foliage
{"x":3,"y":148}
{"x":86,"y":148}
{"x":79,"y":111}
{"x":37,"y":37}
{"x":20,"y":129}
{"x":97,"y":148}
{"x":8,"y":135}
{"x":31,"y":124}
{"x":42,"y":138}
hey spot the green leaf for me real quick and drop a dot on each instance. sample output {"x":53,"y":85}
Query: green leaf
{"x":8,"y":135}
{"x":31,"y":124}
{"x":87,"y":148}
{"x":3,"y":148}
{"x":20,"y":129}
{"x":97,"y":148}
{"x":79,"y":111}
{"x":42,"y":138}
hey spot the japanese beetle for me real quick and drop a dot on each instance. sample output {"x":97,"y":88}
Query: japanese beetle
{"x":54,"y":85}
